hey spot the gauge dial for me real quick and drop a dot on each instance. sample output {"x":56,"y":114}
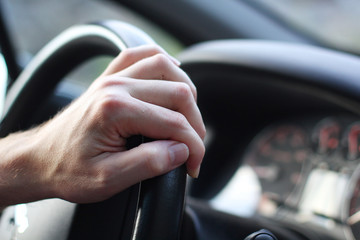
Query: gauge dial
{"x":277,"y":157}
{"x":352,"y":142}
{"x":326,"y":136}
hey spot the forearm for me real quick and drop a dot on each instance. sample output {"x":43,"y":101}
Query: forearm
{"x":17,"y":168}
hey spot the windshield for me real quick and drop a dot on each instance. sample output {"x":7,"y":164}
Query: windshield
{"x":334,"y":22}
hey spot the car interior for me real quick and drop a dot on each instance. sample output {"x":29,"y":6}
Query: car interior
{"x":281,"y":109}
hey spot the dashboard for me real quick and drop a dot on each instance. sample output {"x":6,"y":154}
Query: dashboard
{"x":305,"y":170}
{"x":284,"y":144}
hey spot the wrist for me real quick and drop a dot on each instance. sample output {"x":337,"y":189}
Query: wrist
{"x":21,"y":177}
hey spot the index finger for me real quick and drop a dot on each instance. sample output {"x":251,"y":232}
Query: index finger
{"x":130,"y":56}
{"x":158,"y":67}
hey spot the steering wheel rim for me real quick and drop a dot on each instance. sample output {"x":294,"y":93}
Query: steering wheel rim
{"x":161,"y":199}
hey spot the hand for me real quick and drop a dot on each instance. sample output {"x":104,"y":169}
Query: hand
{"x":80,"y":154}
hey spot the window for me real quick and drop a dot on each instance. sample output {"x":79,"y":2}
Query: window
{"x":333,"y":22}
{"x":33,"y":23}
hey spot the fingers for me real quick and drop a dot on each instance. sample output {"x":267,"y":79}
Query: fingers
{"x":158,"y":67}
{"x":163,"y":106}
{"x":161,"y":123}
{"x":132,"y":55}
{"x":143,"y":162}
{"x":148,"y":62}
{"x":171,"y":95}
{"x":130,"y":116}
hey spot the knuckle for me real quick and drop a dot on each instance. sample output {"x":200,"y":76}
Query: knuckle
{"x":127,"y":54}
{"x":155,"y":48}
{"x":110,"y":103}
{"x":161,"y":61}
{"x":102,"y":178}
{"x":194,"y":91}
{"x":183,"y":92}
{"x":154,"y":162}
{"x":191,"y":88}
{"x":105,"y":179}
{"x":178,"y":121}
{"x":202,"y":132}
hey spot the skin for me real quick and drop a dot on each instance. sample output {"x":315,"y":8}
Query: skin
{"x":80,"y":154}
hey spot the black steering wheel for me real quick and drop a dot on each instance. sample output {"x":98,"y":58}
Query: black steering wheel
{"x":150,"y":210}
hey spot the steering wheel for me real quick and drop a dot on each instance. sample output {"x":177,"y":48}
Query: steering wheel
{"x":156,"y":205}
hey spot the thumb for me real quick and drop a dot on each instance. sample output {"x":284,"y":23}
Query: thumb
{"x":146,"y":161}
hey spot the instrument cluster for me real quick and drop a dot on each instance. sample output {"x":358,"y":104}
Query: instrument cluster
{"x":307,"y":171}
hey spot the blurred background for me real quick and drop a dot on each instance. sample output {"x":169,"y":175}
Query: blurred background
{"x":33,"y":23}
{"x":336,"y":22}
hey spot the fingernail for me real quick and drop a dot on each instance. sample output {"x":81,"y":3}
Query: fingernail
{"x":194,"y":173}
{"x":178,"y":153}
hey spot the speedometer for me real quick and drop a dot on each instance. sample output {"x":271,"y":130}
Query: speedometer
{"x":278,"y":156}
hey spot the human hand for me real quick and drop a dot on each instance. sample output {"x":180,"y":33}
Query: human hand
{"x":80,"y":155}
